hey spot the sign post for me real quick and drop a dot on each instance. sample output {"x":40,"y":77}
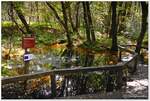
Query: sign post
{"x":26,"y":64}
{"x":27,"y":42}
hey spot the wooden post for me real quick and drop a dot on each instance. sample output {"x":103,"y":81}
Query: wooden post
{"x":120,"y":53}
{"x":53,"y":85}
{"x":26,"y":69}
{"x":135,"y":64}
{"x":26,"y":64}
{"x":119,"y":78}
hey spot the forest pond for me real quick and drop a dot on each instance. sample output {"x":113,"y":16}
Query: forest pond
{"x":59,"y":56}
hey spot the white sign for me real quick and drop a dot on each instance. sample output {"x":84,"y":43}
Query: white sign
{"x":28,"y":57}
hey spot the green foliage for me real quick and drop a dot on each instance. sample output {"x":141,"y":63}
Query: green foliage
{"x":42,"y":36}
{"x":145,"y":40}
{"x":96,"y":81}
{"x":7,"y":72}
{"x":122,"y":40}
{"x":7,"y":24}
{"x":105,"y":41}
{"x":135,"y":36}
{"x":101,"y":60}
{"x":48,"y":65}
{"x":101,"y":44}
{"x":39,"y":25}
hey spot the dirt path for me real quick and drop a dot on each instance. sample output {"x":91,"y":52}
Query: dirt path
{"x":137,"y":87}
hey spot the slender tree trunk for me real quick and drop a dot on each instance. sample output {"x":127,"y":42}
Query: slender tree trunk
{"x":31,"y":11}
{"x":37,"y":10}
{"x":120,"y":4}
{"x":122,"y":18}
{"x":86,"y":23}
{"x":75,"y":25}
{"x":70,"y":18}
{"x":66,"y":23}
{"x":144,"y":26}
{"x":90,"y":22}
{"x":108,"y":22}
{"x":114,"y":27}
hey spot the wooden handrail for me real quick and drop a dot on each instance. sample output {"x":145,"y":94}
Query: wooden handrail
{"x":135,"y":46}
{"x":59,"y":71}
{"x":123,"y":48}
{"x":134,"y":57}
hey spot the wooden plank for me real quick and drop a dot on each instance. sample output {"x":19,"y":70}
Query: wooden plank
{"x":59,"y":71}
{"x":127,"y":50}
{"x":135,"y":46}
{"x":23,"y":77}
{"x":119,"y":79}
{"x":53,"y":85}
{"x":97,"y":95}
{"x":134,"y":57}
{"x":120,"y":56}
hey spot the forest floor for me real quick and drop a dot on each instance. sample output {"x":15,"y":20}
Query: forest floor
{"x":136,"y":88}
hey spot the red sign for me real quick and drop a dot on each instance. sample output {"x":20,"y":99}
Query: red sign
{"x":28,"y":42}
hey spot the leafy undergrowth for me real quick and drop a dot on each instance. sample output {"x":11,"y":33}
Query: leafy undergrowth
{"x":96,"y":46}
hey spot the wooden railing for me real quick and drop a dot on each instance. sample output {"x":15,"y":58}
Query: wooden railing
{"x":142,"y":47}
{"x":134,"y":59}
{"x":119,"y":67}
{"x":60,"y":71}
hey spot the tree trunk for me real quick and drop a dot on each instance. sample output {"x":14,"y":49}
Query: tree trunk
{"x":90,"y":22}
{"x":144,"y":26}
{"x":70,"y":18}
{"x":120,"y":4}
{"x":37,"y":10}
{"x":122,"y":19}
{"x":86,"y":23}
{"x":31,"y":11}
{"x":66,"y":23}
{"x":77,"y":24}
{"x":114,"y":27}
{"x":108,"y":22}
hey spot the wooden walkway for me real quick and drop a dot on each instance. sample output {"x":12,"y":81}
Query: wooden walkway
{"x":130,"y":92}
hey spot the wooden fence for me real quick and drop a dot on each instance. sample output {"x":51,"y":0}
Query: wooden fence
{"x":119,"y":67}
